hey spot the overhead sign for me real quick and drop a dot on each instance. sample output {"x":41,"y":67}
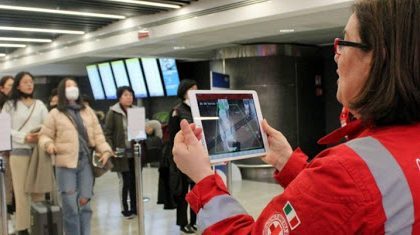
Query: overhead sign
{"x":142,"y":34}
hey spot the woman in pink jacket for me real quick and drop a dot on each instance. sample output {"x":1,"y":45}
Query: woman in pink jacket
{"x":69,"y":133}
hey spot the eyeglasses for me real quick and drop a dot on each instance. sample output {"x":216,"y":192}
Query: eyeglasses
{"x":340,"y":43}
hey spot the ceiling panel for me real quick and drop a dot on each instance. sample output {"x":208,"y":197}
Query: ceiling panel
{"x":14,"y":18}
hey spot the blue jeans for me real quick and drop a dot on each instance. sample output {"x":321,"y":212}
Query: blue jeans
{"x":75,"y":184}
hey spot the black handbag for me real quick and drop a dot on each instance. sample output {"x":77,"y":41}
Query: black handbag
{"x":97,"y":167}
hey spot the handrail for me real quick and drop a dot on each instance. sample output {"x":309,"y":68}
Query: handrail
{"x":253,"y":165}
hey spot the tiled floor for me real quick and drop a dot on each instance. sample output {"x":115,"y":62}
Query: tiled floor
{"x":107,"y":219}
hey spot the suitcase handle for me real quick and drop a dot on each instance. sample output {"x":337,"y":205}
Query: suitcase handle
{"x":50,"y":223}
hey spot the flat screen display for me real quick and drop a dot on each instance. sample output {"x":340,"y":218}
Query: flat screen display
{"x":219,"y":81}
{"x":153,"y":79}
{"x":108,"y":80}
{"x":95,"y":82}
{"x":231,"y":123}
{"x":120,"y":74}
{"x":136,"y":77}
{"x":170,"y":75}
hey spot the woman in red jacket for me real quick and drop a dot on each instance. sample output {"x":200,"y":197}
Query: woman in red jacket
{"x":368,"y":185}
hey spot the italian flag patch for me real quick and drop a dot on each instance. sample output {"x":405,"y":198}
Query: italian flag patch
{"x":291,"y":215}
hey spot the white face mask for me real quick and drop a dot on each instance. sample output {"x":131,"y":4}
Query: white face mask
{"x":72,"y":93}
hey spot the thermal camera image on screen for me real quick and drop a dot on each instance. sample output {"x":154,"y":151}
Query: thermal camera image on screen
{"x":230,"y":123}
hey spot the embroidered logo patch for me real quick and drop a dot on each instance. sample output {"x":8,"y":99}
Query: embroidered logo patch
{"x":276,"y":225}
{"x":418,"y":163}
{"x":291,"y":216}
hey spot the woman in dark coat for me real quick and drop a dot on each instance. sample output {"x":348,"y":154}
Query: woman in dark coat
{"x":115,"y":130}
{"x":180,"y":184}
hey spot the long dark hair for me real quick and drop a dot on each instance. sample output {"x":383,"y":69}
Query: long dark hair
{"x":4,"y":79}
{"x":62,"y":100}
{"x":16,"y":94}
{"x":4,"y":97}
{"x":391,"y":94}
{"x":184,"y":86}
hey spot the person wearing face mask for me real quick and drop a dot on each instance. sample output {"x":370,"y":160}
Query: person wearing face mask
{"x":69,"y":133}
{"x":27,"y":115}
{"x":115,"y":130}
{"x":368,"y":185}
{"x":179,"y":183}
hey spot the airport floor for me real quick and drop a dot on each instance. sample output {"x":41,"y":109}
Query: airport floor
{"x":107,"y":219}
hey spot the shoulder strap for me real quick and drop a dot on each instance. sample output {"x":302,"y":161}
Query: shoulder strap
{"x":71,"y":119}
{"x":77,"y":129}
{"x":27,"y":119}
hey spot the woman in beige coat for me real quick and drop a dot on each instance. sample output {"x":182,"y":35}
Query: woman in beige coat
{"x":69,"y":133}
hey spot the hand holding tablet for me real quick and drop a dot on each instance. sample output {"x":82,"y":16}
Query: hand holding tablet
{"x":280,"y":149}
{"x":231,"y":116}
{"x":189,"y":155}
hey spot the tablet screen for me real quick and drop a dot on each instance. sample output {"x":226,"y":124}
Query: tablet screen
{"x":230,"y":125}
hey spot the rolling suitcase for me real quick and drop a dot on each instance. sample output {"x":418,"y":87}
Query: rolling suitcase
{"x":46,"y":219}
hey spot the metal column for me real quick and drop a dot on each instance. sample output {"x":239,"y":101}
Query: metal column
{"x":139,"y":188}
{"x":229,"y":176}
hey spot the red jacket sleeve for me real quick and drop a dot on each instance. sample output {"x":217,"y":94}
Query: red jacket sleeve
{"x":332,"y":195}
{"x":296,"y":163}
{"x":211,"y":196}
{"x":204,"y":190}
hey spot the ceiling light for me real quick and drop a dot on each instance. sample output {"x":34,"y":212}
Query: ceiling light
{"x":2,"y":55}
{"x":39,"y":30}
{"x":61,"y":12}
{"x":179,"y":47}
{"x":146,"y":3}
{"x":287,"y":30}
{"x":24,"y":39}
{"x":11,"y":45}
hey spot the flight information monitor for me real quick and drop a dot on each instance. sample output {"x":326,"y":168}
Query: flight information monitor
{"x":108,"y":80}
{"x":136,"y":77}
{"x":120,"y":74}
{"x":170,"y":75}
{"x":95,"y":82}
{"x":153,"y":79}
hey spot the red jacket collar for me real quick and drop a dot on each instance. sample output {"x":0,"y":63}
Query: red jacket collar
{"x":350,"y":131}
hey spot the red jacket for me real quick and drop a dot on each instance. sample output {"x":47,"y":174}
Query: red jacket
{"x":369,"y":185}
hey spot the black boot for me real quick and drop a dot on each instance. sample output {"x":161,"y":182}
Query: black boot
{"x":11,"y":209}
{"x":186,"y":229}
{"x":22,"y":232}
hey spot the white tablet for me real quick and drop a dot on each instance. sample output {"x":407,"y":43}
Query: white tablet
{"x":231,"y":123}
